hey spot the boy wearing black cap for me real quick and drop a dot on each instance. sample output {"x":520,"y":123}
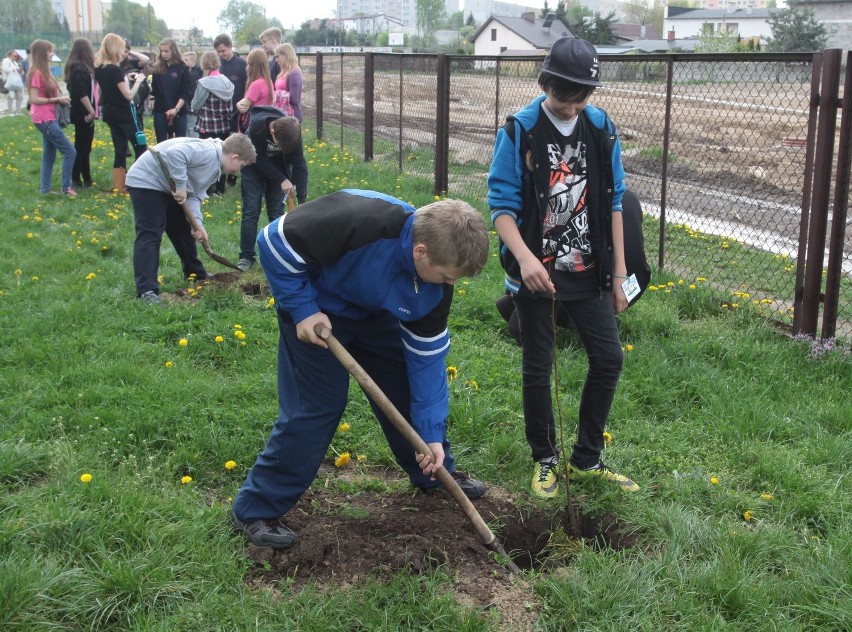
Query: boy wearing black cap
{"x":555,"y":189}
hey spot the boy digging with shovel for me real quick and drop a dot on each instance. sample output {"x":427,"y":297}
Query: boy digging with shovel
{"x":380,"y":275}
{"x":193,"y":165}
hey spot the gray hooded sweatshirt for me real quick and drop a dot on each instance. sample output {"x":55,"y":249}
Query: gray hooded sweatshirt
{"x":194,"y":164}
{"x":217,"y":85}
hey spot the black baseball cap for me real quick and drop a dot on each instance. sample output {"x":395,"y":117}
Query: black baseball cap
{"x":575,"y":60}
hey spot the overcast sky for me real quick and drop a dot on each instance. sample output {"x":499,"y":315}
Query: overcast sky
{"x":181,"y":14}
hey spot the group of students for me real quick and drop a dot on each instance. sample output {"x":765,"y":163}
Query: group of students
{"x":113,"y":87}
{"x":380,"y":274}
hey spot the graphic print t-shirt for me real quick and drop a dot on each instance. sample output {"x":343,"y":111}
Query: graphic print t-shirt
{"x":568,"y":253}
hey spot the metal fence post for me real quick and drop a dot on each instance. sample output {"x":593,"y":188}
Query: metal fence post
{"x":369,"y":104}
{"x":826,"y":127}
{"x":804,"y":220}
{"x":442,"y":125}
{"x":839,"y":211}
{"x":319,"y":74}
{"x":667,"y":126}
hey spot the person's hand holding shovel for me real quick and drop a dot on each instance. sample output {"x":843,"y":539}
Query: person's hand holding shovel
{"x":200,"y":235}
{"x":427,"y":464}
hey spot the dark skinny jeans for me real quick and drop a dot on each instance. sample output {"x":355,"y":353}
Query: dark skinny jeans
{"x":595,"y":321}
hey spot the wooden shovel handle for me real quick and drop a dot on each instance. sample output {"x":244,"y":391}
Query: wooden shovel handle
{"x":401,"y":424}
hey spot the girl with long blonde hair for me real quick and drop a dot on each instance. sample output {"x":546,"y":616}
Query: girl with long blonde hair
{"x":117,"y":108}
{"x":44,"y":94}
{"x":288,"y":85}
{"x":260,"y":88}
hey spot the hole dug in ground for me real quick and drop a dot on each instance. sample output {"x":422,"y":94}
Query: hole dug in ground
{"x":355,"y":526}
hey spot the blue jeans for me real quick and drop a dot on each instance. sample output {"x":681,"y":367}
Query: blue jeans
{"x":595,"y":321}
{"x":255,"y":188}
{"x":161,"y":127}
{"x":53,"y":138}
{"x":313,"y":388}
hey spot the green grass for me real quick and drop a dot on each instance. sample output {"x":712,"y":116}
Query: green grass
{"x":717,"y":414}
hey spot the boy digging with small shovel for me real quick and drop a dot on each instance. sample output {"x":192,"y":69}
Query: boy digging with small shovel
{"x":193,"y":165}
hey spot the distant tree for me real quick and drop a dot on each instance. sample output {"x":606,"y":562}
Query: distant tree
{"x":470,"y":21}
{"x":796,"y":30}
{"x":603,"y":29}
{"x":544,"y":10}
{"x":118,"y":19}
{"x":245,"y":21}
{"x":716,"y":42}
{"x":321,"y":36}
{"x":645,"y":12}
{"x":455,"y":21}
{"x":25,"y":16}
{"x":430,"y":15}
{"x":561,"y":10}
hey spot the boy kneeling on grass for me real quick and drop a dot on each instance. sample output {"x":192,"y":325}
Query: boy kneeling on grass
{"x":380,"y":275}
{"x":193,"y":165}
{"x":555,"y":192}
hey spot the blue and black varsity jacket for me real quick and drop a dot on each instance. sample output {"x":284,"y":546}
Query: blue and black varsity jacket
{"x":350,"y":254}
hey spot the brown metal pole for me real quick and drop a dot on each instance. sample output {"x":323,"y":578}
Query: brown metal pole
{"x":804,"y":220}
{"x":667,"y":126}
{"x":375,"y":393}
{"x":442,"y":126}
{"x":319,"y":92}
{"x":369,"y":104}
{"x":839,"y":212}
{"x":822,"y":183}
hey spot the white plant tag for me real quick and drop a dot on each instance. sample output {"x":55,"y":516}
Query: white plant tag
{"x":630,"y":287}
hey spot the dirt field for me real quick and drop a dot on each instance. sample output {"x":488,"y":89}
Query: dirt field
{"x":736,"y":148}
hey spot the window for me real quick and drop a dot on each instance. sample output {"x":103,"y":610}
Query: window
{"x":493,"y":35}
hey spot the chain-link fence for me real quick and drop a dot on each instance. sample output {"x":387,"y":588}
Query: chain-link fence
{"x":715,"y":147}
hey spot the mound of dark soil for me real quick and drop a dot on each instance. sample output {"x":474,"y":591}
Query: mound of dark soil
{"x":345,"y":537}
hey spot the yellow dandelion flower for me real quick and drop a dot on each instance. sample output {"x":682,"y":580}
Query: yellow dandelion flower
{"x":85,"y":478}
{"x":344,"y":427}
{"x":692,"y":286}
{"x":748,"y":516}
{"x":362,"y":458}
{"x":29,"y":235}
{"x":19,"y":272}
{"x":472,"y":384}
{"x":219,"y":339}
{"x":270,"y":302}
{"x":186,"y":480}
{"x":628,"y":347}
{"x":607,"y":437}
{"x":230,"y":465}
{"x":35,"y":278}
{"x":239,"y":335}
{"x":767,"y":496}
{"x":90,"y":276}
{"x":238,"y":326}
{"x":452,"y":373}
{"x":183,"y":342}
{"x":700,"y":279}
{"x":169,"y":364}
{"x":460,"y":292}
{"x":714,"y":480}
{"x":342,"y":460}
